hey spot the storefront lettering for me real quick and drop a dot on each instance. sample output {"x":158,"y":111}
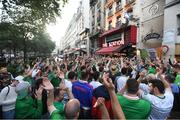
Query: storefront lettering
{"x":151,"y":36}
{"x":115,"y":43}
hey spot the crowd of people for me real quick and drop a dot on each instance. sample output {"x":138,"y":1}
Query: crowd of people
{"x":92,"y":88}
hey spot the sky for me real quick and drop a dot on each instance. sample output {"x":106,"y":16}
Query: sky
{"x":57,"y":30}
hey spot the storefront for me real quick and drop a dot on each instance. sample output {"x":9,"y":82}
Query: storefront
{"x":118,"y":40}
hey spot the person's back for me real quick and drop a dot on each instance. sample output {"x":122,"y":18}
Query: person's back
{"x":132,"y":106}
{"x":121,"y":81}
{"x":27,"y":107}
{"x":95,"y":83}
{"x":134,"y":109}
{"x":83,"y":92}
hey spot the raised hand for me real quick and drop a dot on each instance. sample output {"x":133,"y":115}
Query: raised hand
{"x":108,"y":82}
{"x":47,"y":84}
{"x":39,"y":93}
{"x":99,"y":102}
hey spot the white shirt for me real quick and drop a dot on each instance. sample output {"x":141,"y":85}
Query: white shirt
{"x":68,"y":84}
{"x":8,"y":102}
{"x":95,"y":84}
{"x":121,"y":82}
{"x":161,"y":107}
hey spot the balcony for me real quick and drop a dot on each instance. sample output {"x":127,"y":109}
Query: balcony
{"x":98,"y":18}
{"x":110,"y":13}
{"x":93,"y":22}
{"x":109,"y":3}
{"x":92,"y":2}
{"x":129,"y":1}
{"x":109,"y":27}
{"x":118,"y":8}
{"x":99,"y":5}
{"x":118,"y":24}
{"x":178,"y":31}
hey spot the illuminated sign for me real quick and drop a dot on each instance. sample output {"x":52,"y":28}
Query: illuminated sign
{"x":114,"y":43}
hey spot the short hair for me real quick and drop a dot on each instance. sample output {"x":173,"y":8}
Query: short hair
{"x":132,"y":86}
{"x":83,"y":67}
{"x":101,"y":69}
{"x":159,"y":84}
{"x":176,"y":66}
{"x":56,"y":92}
{"x":84,"y":75}
{"x":124,"y":71}
{"x":72,"y":75}
{"x":96,"y":75}
{"x":170,"y":78}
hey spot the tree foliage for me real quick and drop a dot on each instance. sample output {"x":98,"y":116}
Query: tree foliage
{"x":12,"y":38}
{"x":22,"y":26}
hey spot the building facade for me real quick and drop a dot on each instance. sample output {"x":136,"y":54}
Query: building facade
{"x":97,"y":22}
{"x":120,"y":27}
{"x":150,"y":30}
{"x":76,"y":38}
{"x":172,"y":29}
{"x":70,"y":34}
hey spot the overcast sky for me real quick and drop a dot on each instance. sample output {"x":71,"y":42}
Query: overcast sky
{"x":57,"y":31}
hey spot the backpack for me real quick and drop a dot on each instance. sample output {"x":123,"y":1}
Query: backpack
{"x":1,"y":117}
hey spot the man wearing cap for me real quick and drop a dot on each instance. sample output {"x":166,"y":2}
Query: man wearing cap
{"x":27,"y":107}
{"x":8,"y":97}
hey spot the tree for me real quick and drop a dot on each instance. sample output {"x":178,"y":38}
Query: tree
{"x":38,"y":12}
{"x":30,"y":18}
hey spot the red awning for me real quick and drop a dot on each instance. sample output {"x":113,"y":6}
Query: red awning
{"x":108,"y":50}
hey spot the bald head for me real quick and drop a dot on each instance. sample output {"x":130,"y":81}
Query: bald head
{"x":72,"y":109}
{"x":150,"y":77}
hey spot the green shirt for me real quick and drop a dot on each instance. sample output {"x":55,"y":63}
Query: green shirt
{"x":28,"y":79}
{"x":27,"y":108}
{"x":55,"y":81}
{"x":177,"y":80}
{"x":151,"y":70}
{"x":60,"y":107}
{"x":56,"y":115}
{"x":134,"y":109}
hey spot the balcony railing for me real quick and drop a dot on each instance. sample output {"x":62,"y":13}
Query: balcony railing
{"x":118,"y":24}
{"x":99,"y":5}
{"x":118,"y":8}
{"x":110,"y":13}
{"x":93,"y":22}
{"x":178,"y":31}
{"x":98,"y":18}
{"x":109,"y":27}
{"x":129,"y":1}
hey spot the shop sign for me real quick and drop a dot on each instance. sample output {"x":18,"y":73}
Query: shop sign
{"x":152,"y":36}
{"x":114,"y":43}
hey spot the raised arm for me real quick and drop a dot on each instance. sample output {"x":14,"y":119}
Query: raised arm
{"x":117,"y":110}
{"x":49,"y":87}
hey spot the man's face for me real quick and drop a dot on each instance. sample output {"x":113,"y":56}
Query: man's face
{"x":15,"y":82}
{"x":151,"y":89}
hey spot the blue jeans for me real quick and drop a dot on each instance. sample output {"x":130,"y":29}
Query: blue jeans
{"x":9,"y":114}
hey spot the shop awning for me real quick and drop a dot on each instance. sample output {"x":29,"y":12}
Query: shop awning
{"x":108,"y":50}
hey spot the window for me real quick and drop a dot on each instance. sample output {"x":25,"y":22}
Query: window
{"x":118,"y":2}
{"x":178,"y":24}
{"x":110,"y":13}
{"x":118,"y":6}
{"x":110,"y":25}
{"x":118,"y":21}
